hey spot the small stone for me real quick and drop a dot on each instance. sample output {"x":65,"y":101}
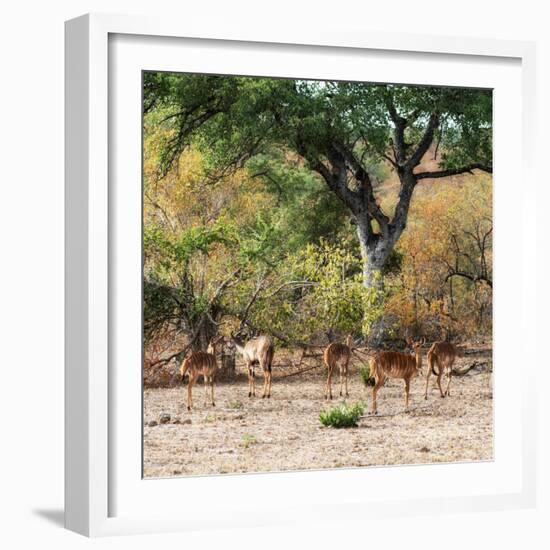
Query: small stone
{"x":176,"y":421}
{"x":152,"y":423}
{"x":186,"y":421}
{"x":164,"y":418}
{"x":424,"y":449}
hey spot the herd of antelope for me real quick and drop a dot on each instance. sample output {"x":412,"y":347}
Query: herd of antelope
{"x":383,"y":365}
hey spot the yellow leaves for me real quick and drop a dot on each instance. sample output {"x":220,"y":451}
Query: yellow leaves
{"x":443,"y":213}
{"x":188,"y":196}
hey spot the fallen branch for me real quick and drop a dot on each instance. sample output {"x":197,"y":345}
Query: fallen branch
{"x":465,"y":370}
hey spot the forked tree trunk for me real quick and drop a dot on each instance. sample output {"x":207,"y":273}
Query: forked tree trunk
{"x":374,"y":254}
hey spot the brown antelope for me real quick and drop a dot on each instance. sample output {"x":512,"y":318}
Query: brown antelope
{"x":442,"y":354}
{"x":201,"y":363}
{"x":392,"y":364}
{"x":337,"y":355}
{"x":258,"y":351}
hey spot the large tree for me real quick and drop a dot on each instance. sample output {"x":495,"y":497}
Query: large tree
{"x":342,"y":131}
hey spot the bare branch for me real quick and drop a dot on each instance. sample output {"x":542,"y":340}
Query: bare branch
{"x":259,"y":288}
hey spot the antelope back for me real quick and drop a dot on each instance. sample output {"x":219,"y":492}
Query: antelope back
{"x":445,"y":352}
{"x":259,"y":348}
{"x":200,"y":361}
{"x":336,"y":352}
{"x":395,"y":364}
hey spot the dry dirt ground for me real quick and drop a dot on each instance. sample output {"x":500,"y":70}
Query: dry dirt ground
{"x":284,"y":432}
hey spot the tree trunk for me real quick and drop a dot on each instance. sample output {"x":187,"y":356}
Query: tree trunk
{"x":374,"y":253}
{"x":377,"y":247}
{"x":228,"y":361}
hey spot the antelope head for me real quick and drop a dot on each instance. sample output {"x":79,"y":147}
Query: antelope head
{"x":213,"y":344}
{"x":236,"y":340}
{"x":416,"y":348}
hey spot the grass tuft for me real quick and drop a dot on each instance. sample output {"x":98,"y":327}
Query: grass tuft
{"x":342,"y":416}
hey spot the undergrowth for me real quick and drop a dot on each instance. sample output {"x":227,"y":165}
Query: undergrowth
{"x":342,"y":416}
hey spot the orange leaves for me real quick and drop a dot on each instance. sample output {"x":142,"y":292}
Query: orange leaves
{"x":444,"y":214}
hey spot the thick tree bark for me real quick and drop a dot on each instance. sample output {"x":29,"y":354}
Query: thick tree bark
{"x":377,"y":247}
{"x":374,"y":253}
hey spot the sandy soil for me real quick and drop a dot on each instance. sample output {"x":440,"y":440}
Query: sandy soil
{"x":284,"y":432}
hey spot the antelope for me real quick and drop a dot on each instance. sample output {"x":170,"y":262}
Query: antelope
{"x":392,"y":364}
{"x":337,"y":355}
{"x":201,"y":363}
{"x":442,"y":354}
{"x":258,"y":351}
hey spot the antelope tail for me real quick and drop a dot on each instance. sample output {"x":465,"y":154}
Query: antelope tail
{"x":184,"y":367}
{"x":372,"y":365}
{"x":431,"y":362}
{"x":268,"y":357}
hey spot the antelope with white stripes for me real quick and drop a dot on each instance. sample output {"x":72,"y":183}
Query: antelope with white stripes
{"x":201,"y":363}
{"x":442,"y":355}
{"x":337,"y":355}
{"x":392,"y":364}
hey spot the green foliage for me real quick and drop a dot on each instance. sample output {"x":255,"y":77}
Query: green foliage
{"x":342,"y":416}
{"x":297,"y":191}
{"x":364,"y":374}
{"x":168,"y":252}
{"x":337,"y":297}
{"x":159,"y":308}
{"x":235,"y":118}
{"x":232,"y":185}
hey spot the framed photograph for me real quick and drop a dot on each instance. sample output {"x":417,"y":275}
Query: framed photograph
{"x":294,"y":271}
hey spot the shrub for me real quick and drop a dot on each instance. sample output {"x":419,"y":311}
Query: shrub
{"x":364,"y":374}
{"x":235,"y":405}
{"x":342,"y":416}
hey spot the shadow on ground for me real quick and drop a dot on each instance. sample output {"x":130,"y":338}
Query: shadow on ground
{"x":54,"y":516}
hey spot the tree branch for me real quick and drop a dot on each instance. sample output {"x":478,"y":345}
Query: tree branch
{"x":400,"y":123}
{"x":259,"y":288}
{"x":365,"y":185}
{"x":425,"y":142}
{"x":454,"y":171}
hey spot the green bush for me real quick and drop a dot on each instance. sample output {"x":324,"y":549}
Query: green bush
{"x":342,"y":416}
{"x":364,"y":374}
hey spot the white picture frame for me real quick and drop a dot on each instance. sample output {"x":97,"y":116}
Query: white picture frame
{"x":103,"y":55}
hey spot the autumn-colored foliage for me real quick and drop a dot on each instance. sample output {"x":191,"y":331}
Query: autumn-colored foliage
{"x":242,"y":232}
